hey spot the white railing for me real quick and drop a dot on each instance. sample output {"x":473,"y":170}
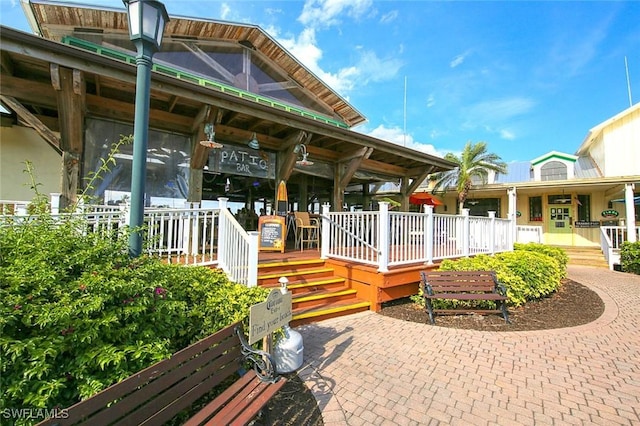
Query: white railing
{"x":194,"y":236}
{"x":350,"y":236}
{"x":387,"y":239}
{"x":529,"y":234}
{"x":237,"y":249}
{"x":611,"y":239}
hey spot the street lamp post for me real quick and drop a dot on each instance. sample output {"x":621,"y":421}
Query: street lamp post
{"x":147,"y":19}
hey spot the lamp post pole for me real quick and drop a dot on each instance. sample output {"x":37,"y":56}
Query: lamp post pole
{"x":140,"y":142}
{"x":147,"y":19}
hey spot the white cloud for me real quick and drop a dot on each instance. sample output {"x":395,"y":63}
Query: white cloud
{"x":396,"y":135}
{"x":507,"y":134}
{"x":499,"y":110}
{"x":431,"y":100}
{"x":456,"y":61}
{"x":225,"y":11}
{"x":389,"y":17}
{"x":326,"y":13}
{"x":368,"y":68}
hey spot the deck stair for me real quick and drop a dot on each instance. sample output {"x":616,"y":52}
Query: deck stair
{"x":317,"y":292}
{"x":585,"y":256}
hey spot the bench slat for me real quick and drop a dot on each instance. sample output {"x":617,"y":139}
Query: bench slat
{"x":247,"y":404}
{"x":467,"y":296}
{"x":86,"y":408}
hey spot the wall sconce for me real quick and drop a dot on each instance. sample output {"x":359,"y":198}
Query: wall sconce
{"x":253,"y":143}
{"x":210,"y":131}
{"x":302,"y":149}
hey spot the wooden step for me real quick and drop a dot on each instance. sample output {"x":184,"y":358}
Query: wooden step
{"x":294,"y":275}
{"x":322,"y":297}
{"x":297,"y":287}
{"x":317,"y":293}
{"x":331,"y":310}
{"x":289,"y":264}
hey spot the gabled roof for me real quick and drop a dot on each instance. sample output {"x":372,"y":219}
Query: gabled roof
{"x":54,"y":20}
{"x":554,"y":154}
{"x":596,"y":131}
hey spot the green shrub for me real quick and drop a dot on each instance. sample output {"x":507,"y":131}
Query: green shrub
{"x":79,"y":314}
{"x":630,"y":257}
{"x":556,"y":253}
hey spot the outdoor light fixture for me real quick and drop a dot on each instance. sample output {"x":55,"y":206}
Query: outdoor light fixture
{"x":253,"y":143}
{"x":210,"y":131}
{"x":147,"y":19}
{"x":302,"y":149}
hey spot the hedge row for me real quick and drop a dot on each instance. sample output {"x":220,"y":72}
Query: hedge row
{"x":630,"y":257}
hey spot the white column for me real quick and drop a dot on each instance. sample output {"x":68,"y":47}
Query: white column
{"x":55,"y":202}
{"x":428,"y":236}
{"x":252,"y":272}
{"x":492,"y":232}
{"x":383,"y":237}
{"x":630,"y":212}
{"x":222,"y":237}
{"x":466,"y":234}
{"x":512,"y":195}
{"x":325,"y":230}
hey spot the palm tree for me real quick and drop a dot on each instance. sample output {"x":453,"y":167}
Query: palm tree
{"x":474,"y":162}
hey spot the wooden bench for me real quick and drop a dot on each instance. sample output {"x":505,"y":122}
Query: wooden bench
{"x":463,"y":285}
{"x":157,"y":394}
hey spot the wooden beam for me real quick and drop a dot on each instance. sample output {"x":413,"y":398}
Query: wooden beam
{"x":358,"y":153}
{"x":6,"y":64}
{"x":37,"y":125}
{"x":124,"y":111}
{"x":288,"y":157}
{"x":70,"y":91}
{"x":212,"y":63}
{"x":28,"y":91}
{"x":353,"y":166}
{"x":338,"y":189}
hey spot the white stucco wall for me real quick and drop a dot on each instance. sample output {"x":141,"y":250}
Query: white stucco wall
{"x":17,"y":145}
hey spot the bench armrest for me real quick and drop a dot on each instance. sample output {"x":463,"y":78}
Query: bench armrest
{"x":263,"y":363}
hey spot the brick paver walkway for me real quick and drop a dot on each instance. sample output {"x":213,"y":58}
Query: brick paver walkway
{"x":367,"y":369}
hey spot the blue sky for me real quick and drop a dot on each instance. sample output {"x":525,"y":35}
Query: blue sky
{"x":525,"y":77}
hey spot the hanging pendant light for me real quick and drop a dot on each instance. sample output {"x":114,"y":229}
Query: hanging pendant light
{"x":253,"y":143}
{"x":302,"y":149}
{"x":209,"y":130}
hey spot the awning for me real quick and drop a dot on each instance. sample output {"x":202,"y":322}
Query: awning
{"x":636,"y":200}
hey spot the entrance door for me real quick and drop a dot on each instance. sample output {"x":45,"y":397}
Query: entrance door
{"x":560,"y":225}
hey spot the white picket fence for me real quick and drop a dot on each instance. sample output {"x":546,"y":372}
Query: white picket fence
{"x":383,"y":238}
{"x":203,"y":236}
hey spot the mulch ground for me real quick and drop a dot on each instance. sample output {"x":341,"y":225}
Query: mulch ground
{"x":573,"y":304}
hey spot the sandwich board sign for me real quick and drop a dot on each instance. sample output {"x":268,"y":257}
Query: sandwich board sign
{"x":268,"y":316}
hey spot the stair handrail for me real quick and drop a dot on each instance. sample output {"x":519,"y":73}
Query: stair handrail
{"x":607,"y":246}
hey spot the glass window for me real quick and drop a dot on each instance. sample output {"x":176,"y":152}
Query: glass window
{"x":168,"y":158}
{"x":553,"y":170}
{"x":535,"y":209}
{"x":482,"y":206}
{"x":584,"y":207}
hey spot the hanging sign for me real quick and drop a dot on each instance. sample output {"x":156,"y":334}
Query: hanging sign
{"x":268,"y":316}
{"x":610,"y":213}
{"x":272,"y":233}
{"x":242,"y":161}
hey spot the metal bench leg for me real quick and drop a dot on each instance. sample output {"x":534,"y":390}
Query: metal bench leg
{"x":505,"y":313}
{"x":429,"y":310}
